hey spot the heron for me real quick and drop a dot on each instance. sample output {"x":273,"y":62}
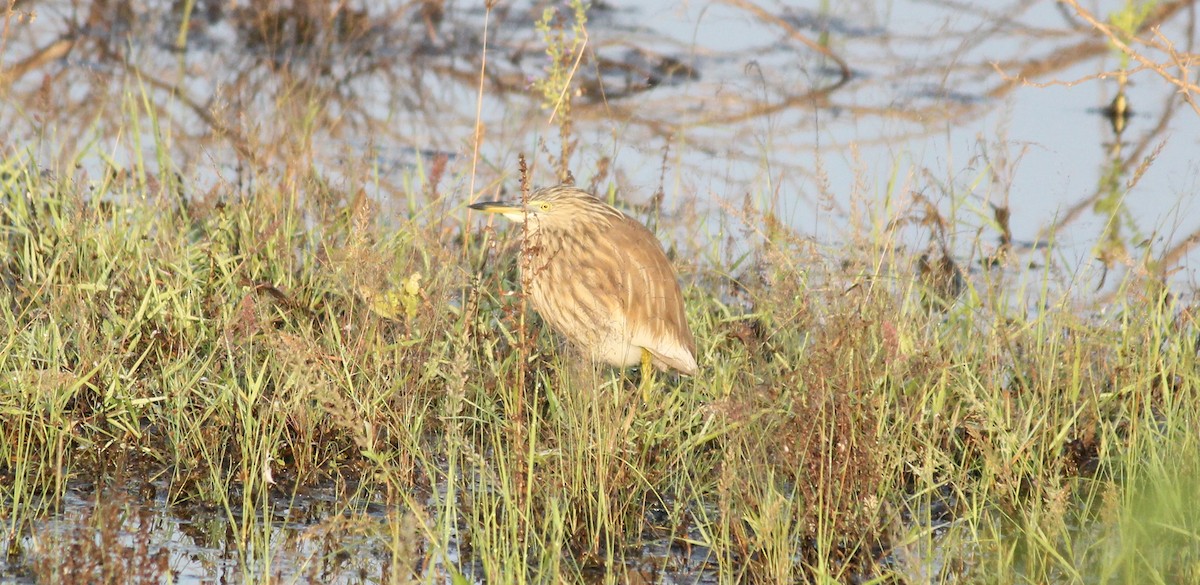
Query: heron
{"x":602,"y":280}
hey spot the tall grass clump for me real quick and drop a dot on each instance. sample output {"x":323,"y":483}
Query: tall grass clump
{"x":216,"y":344}
{"x":236,"y":352}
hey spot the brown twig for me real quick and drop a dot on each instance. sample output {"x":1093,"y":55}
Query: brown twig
{"x":1183,"y":61}
{"x":795,"y":35}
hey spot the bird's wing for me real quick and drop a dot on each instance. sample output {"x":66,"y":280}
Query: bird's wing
{"x":657,"y":318}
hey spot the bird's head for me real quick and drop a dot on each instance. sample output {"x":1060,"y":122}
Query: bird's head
{"x":561,"y":207}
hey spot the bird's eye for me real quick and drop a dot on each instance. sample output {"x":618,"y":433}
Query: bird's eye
{"x":544,"y":206}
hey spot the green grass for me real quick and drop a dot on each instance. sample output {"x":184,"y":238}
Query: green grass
{"x":227,"y":349}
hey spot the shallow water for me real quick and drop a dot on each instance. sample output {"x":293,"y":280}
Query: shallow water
{"x":317,"y":536}
{"x":709,"y":101}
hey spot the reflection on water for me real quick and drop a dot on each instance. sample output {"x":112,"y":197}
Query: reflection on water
{"x":126,"y":534}
{"x":115,"y":535}
{"x":709,"y":100}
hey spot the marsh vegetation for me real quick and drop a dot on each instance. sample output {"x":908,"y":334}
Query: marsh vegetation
{"x":250,"y":331}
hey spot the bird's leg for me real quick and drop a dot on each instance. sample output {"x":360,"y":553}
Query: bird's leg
{"x":647,"y":376}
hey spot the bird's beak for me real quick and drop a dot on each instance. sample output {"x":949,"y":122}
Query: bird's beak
{"x":512,"y":211}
